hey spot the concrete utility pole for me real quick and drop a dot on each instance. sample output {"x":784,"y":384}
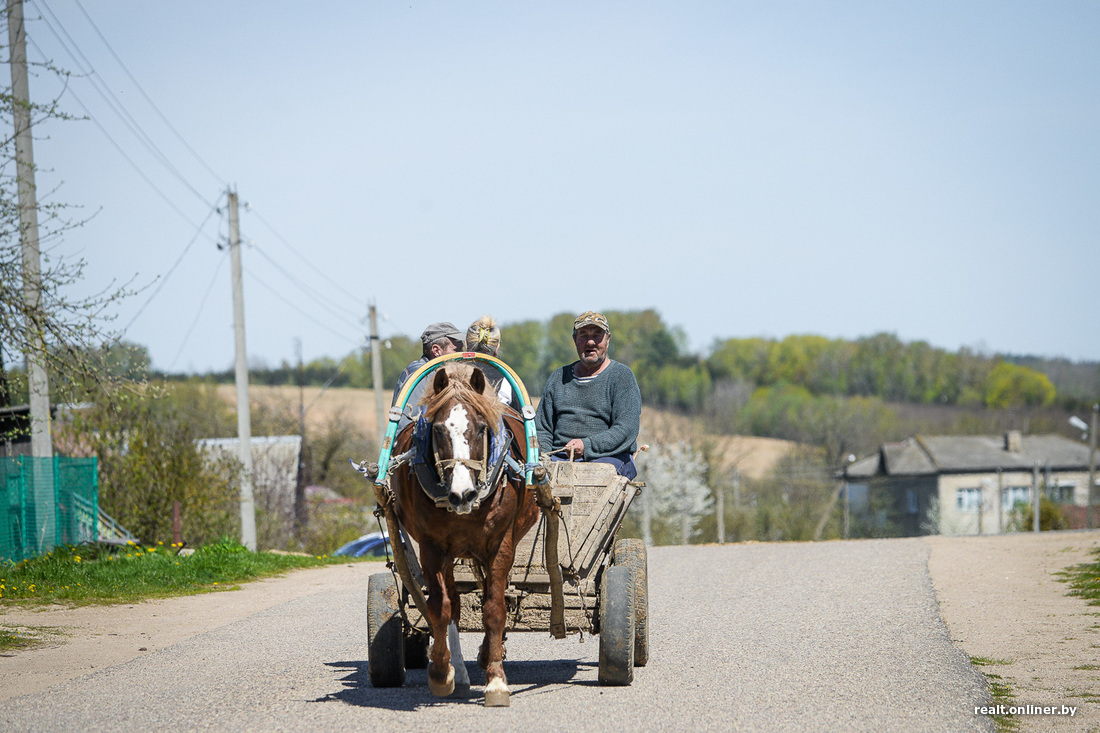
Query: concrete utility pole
{"x":244,"y":416}
{"x":1090,"y":518}
{"x":720,"y":511}
{"x":376,"y":374}
{"x":300,"y":510}
{"x":39,"y":388}
{"x":1035,"y":496}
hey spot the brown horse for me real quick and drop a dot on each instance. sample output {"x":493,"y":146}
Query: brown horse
{"x":480,"y":521}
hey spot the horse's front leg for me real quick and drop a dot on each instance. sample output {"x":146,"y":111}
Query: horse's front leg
{"x":494,"y":616}
{"x":441,"y":675}
{"x":462,"y":677}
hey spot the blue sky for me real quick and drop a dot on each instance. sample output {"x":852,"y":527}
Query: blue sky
{"x":748,"y":169}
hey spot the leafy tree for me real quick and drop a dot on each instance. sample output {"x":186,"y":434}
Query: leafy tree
{"x":1010,"y":385}
{"x":521,"y":347}
{"x":145,"y":446}
{"x":675,"y":476}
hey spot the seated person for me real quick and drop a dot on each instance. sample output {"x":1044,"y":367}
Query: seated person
{"x":483,"y":337}
{"x":437,"y":339}
{"x":591,"y":407}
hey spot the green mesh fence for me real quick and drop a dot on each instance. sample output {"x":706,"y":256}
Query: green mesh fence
{"x":45,"y":502}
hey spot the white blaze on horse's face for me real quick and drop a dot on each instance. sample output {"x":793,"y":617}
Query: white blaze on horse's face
{"x":462,"y":480}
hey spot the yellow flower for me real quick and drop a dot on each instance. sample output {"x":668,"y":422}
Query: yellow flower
{"x":76,"y":557}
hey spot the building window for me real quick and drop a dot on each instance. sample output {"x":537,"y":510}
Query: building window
{"x":968,"y":500}
{"x":1061,"y":491}
{"x":911,"y":504}
{"x":1013,"y":495}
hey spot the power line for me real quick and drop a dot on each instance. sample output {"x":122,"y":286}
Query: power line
{"x":307,"y":291}
{"x":300,"y":256}
{"x":172,"y":268}
{"x":104,"y":91}
{"x":283,"y":298}
{"x":146,"y":96}
{"x":202,"y":305}
{"x":122,"y":152}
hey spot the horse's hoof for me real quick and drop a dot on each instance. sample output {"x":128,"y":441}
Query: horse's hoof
{"x":461,"y":690}
{"x":445,"y":688}
{"x":497,"y":695}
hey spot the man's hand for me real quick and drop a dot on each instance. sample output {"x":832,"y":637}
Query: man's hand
{"x":575,"y":447}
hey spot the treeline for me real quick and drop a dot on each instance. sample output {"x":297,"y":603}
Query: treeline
{"x":880,"y":367}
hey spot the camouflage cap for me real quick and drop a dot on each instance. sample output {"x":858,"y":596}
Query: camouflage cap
{"x":591,"y":318}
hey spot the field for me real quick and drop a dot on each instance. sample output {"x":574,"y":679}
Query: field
{"x":753,"y":456}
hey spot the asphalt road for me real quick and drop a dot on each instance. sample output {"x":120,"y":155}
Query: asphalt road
{"x":822,"y":636}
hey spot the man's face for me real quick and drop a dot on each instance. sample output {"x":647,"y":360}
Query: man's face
{"x":591,"y":342}
{"x":446,"y":347}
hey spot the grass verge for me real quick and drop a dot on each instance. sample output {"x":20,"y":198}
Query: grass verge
{"x":1001,"y":691}
{"x":13,"y":638}
{"x":101,"y":574}
{"x":1084,"y":579}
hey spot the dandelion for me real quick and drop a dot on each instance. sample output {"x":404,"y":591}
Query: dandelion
{"x":76,"y":558}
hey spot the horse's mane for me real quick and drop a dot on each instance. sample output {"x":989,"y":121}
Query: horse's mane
{"x":458,"y":388}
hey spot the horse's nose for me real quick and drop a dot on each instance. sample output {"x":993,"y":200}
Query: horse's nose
{"x":469,"y":495}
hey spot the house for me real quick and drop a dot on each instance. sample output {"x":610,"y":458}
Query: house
{"x":970,"y":484}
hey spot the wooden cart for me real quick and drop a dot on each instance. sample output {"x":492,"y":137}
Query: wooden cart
{"x":570,"y":575}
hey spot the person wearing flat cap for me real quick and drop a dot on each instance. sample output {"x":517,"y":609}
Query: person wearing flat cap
{"x":438,"y":339}
{"x":591,"y":408}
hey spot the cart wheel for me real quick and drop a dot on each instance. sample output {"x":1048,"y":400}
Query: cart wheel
{"x":631,"y":553}
{"x":386,"y":644}
{"x":617,"y":626}
{"x":416,"y":649}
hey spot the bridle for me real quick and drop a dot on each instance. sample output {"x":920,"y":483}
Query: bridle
{"x":487,"y":469}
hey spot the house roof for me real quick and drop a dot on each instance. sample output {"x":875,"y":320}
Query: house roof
{"x":926,"y":455}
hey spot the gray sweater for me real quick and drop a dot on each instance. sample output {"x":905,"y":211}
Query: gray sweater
{"x":604,"y":411}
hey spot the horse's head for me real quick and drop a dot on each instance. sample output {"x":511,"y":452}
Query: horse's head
{"x":463,"y":416}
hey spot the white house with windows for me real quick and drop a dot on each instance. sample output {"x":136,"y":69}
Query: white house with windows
{"x":972,"y":484}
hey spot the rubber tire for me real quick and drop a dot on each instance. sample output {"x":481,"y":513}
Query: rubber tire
{"x":385,"y":640}
{"x":631,"y":553}
{"x":617,"y":626}
{"x":417,"y":644}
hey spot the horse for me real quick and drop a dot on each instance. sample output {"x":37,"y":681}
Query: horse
{"x":486,"y":513}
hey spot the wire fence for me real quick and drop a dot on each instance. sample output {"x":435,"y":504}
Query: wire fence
{"x":45,"y":502}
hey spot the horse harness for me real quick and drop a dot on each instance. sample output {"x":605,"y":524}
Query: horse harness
{"x":429,"y":467}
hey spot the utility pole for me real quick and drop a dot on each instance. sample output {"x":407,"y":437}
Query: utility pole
{"x":301,"y":517}
{"x":1035,"y":496}
{"x":720,"y":511}
{"x":39,"y":388}
{"x":244,"y":416}
{"x":376,"y":373}
{"x":1090,"y":518}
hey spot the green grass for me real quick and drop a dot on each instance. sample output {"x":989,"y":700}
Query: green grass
{"x":23,"y":637}
{"x":1084,"y":579}
{"x":99,"y":574}
{"x":1002,"y":693}
{"x":987,"y":662}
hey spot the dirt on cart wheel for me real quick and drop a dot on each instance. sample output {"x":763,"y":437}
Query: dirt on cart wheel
{"x":631,"y":553}
{"x":385,"y":637}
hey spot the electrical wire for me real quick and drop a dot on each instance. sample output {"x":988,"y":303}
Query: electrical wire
{"x":329,"y":306}
{"x":301,"y":312}
{"x":146,"y":96}
{"x":202,"y":305}
{"x":303,"y":258}
{"x":99,"y":85}
{"x":172,"y":269}
{"x":123,"y":153}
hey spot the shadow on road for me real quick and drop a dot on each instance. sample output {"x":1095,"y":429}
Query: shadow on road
{"x":524,"y":678}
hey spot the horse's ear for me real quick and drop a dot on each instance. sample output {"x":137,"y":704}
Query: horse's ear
{"x":441,"y":381}
{"x":477,"y":380}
